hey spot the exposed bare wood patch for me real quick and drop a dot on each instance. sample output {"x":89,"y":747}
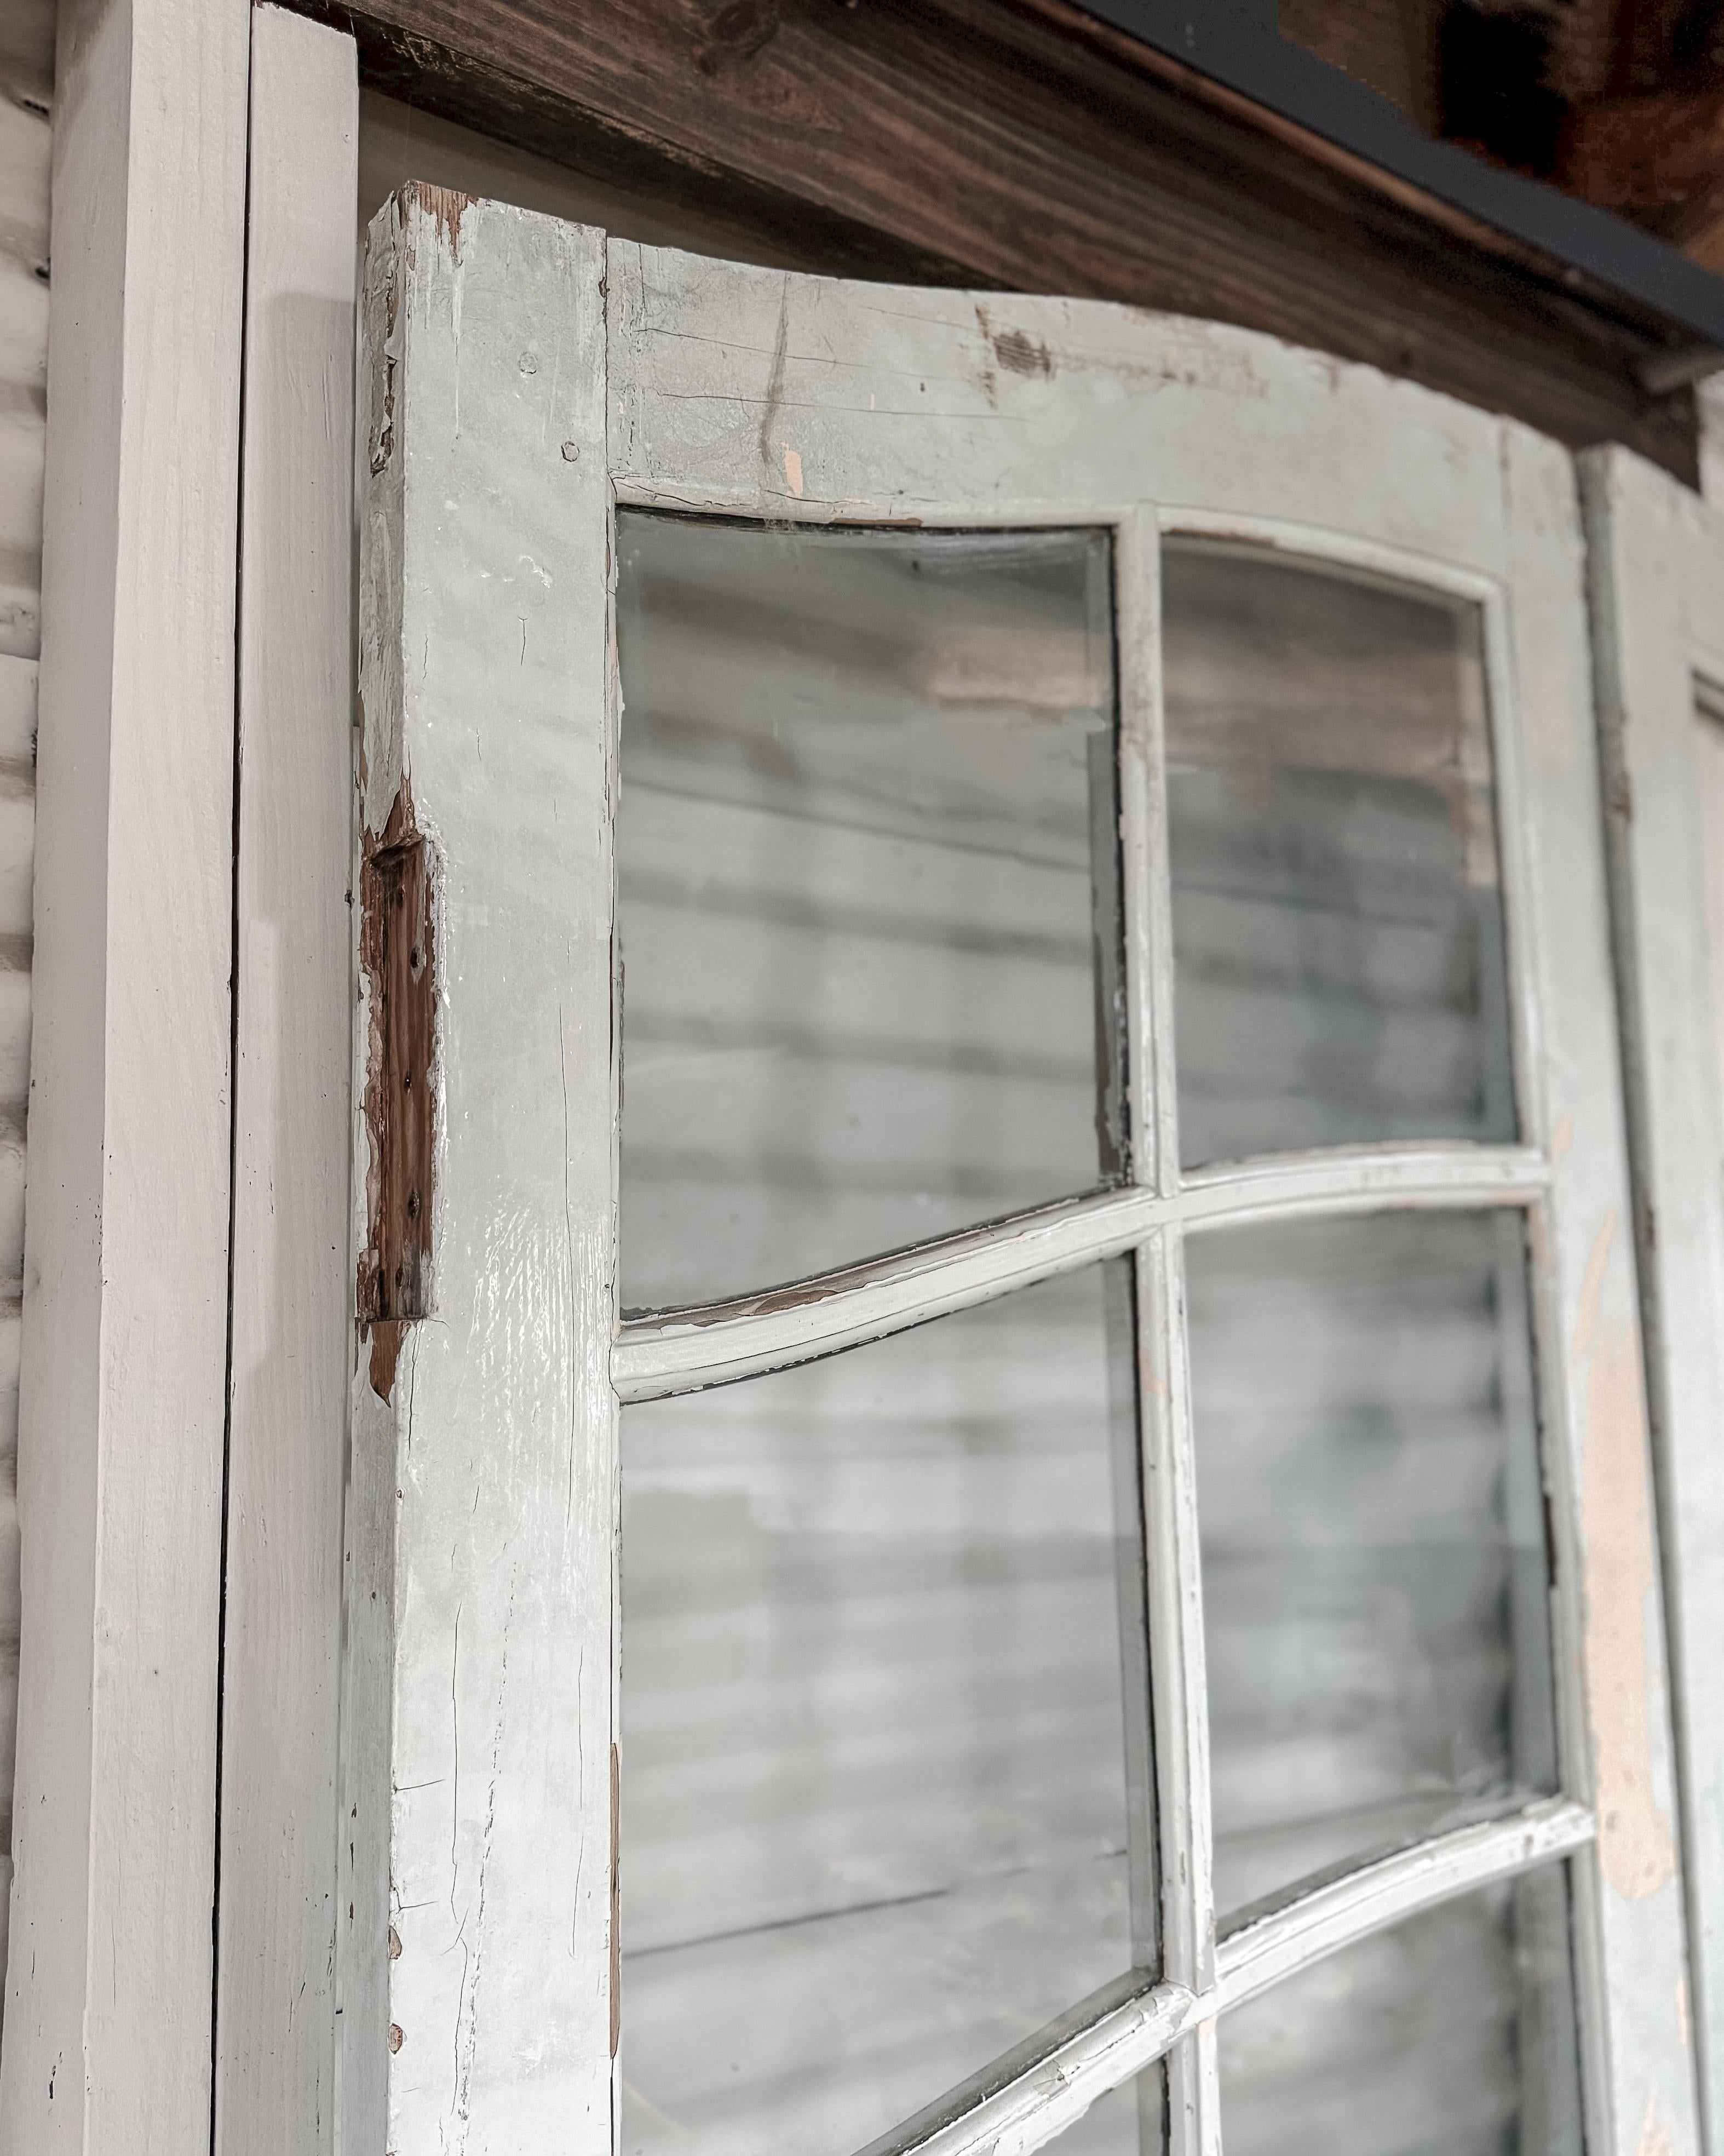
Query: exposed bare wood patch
{"x":397,"y":952}
{"x":1636,"y":1844}
{"x":446,"y":206}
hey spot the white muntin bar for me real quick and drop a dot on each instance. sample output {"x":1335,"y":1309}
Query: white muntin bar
{"x":1056,"y":2086}
{"x":1332,"y":1916}
{"x":1053,"y":2091}
{"x":1180,"y":1683}
{"x":685,"y":1350}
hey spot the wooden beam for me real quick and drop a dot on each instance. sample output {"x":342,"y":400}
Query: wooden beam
{"x":1018,"y":143}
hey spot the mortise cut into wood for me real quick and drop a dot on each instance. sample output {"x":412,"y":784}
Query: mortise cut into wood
{"x":398,"y":955}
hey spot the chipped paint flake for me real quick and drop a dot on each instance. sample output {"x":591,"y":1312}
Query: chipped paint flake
{"x":792,"y":472}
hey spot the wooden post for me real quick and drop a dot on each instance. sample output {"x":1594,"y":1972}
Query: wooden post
{"x":126,"y":1283}
{"x":293,"y":1334}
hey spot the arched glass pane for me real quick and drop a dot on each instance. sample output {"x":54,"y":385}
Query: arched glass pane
{"x":1339,"y":967}
{"x":867,"y":864}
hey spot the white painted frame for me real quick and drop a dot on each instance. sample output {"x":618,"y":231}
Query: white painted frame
{"x":291,"y":1340}
{"x":122,"y":1391}
{"x":1657,"y":560}
{"x":532,"y":376}
{"x":182,"y":1579}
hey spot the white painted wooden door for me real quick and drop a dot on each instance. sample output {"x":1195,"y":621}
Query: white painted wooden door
{"x":1102,"y":809}
{"x":1657,"y":557}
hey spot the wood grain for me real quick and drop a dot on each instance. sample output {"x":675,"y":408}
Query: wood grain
{"x":398,"y":951}
{"x":479,"y":1688}
{"x":1013,"y":142}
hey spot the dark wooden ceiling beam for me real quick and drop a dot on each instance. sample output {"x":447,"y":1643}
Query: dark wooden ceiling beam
{"x":1015,"y":142}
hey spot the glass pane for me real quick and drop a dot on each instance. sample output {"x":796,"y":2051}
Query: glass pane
{"x":883,"y":1672}
{"x":868,"y":871}
{"x":1339,"y":974}
{"x":1376,"y":1593}
{"x":1453,"y":2035}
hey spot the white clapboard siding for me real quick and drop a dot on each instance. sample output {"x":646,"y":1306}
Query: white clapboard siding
{"x":26,"y":98}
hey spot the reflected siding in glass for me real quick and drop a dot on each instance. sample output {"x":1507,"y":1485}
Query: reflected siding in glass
{"x":1452,"y":2034}
{"x":867,"y":862}
{"x":1339,"y":974}
{"x":883,"y":1670}
{"x":1376,"y":1588}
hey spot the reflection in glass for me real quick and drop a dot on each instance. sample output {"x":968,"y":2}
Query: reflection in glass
{"x":1337,"y":914}
{"x":883,"y":1672}
{"x":1452,"y":2034}
{"x":867,"y":865}
{"x":1375,"y":1596}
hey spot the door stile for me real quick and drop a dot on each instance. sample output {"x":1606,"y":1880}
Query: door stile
{"x":1610,"y":1647}
{"x":1655,"y":555}
{"x":484,"y":1423}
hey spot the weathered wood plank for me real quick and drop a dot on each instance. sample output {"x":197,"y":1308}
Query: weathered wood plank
{"x":479,"y":1712}
{"x":683,"y":1350}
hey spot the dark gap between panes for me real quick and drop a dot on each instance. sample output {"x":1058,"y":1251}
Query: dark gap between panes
{"x":868,"y":866}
